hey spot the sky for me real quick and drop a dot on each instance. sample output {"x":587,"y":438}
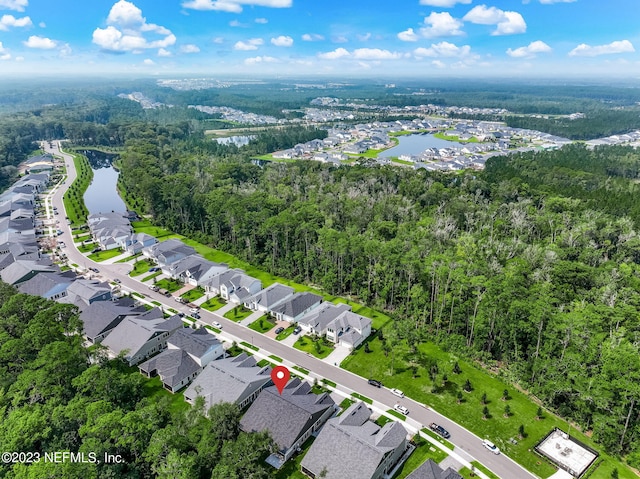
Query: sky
{"x":332,"y":38}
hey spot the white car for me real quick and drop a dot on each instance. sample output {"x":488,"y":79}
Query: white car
{"x":194,"y":310}
{"x":216,"y":324}
{"x":491,"y":446}
{"x":401,"y":409}
{"x":397,"y":392}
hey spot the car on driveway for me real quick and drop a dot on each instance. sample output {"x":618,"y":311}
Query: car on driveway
{"x":375,"y":382}
{"x":491,"y":446}
{"x":297,"y":330}
{"x":438,"y":429}
{"x":397,"y":392}
{"x":216,"y":324}
{"x":153,"y":270}
{"x":279,"y":330}
{"x":401,"y":409}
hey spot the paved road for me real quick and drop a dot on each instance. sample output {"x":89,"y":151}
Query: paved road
{"x":465,"y":441}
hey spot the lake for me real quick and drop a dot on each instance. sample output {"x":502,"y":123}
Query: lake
{"x":102,"y":195}
{"x":416,"y":144}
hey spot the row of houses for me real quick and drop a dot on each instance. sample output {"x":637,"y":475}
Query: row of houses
{"x":114,"y":230}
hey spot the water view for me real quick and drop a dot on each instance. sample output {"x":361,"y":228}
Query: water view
{"x":102,"y":195}
{"x":416,"y":144}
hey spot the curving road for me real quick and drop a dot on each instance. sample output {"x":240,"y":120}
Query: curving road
{"x":468,"y":445}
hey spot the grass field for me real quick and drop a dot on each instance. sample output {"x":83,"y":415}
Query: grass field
{"x":394,"y":371}
{"x":73,"y":200}
{"x":424,"y":450}
{"x":170,"y":285}
{"x":104,"y":255}
{"x":262,"y":324}
{"x":129,"y":258}
{"x":151,"y":276}
{"x":85,"y":248}
{"x":193,"y":294}
{"x":318,"y":348}
{"x":213,"y":304}
{"x":141,"y":267}
{"x":238,"y":313}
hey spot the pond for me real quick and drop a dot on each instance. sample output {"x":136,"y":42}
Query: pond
{"x":416,"y":144}
{"x":102,"y":195}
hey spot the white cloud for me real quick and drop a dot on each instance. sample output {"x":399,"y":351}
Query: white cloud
{"x":335,"y":54}
{"x":438,"y":64}
{"x":506,"y":22}
{"x":251,"y":44}
{"x":65,"y":50}
{"x":408,"y":35}
{"x":5,"y":56}
{"x":2,"y":48}
{"x":164,"y":53}
{"x":9,"y":21}
{"x":282,"y":41}
{"x":42,"y":25}
{"x":148,"y":61}
{"x":584,"y":50}
{"x":189,"y":48}
{"x":261,"y":20}
{"x":40,"y":43}
{"x":443,"y":49}
{"x":263,"y":59}
{"x":126,"y":29}
{"x":441,"y":25}
{"x":375,"y":54}
{"x":530,"y":50}
{"x":218,"y":40}
{"x":234,"y":6}
{"x":236,"y":23}
{"x":364,"y":38}
{"x":443,"y":3}
{"x":17,"y":5}
{"x":312,"y":37}
{"x":339,"y":39}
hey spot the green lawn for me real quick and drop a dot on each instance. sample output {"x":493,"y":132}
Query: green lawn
{"x":394,"y":371}
{"x":238,"y":313}
{"x":481,"y":467}
{"x":318,"y":348}
{"x":86,"y":248}
{"x":153,"y":389}
{"x":424,"y":450}
{"x":141,"y":267}
{"x":397,"y":414}
{"x":80,"y":238}
{"x":170,"y":285}
{"x":193,"y":294}
{"x":262,"y":324}
{"x":73,"y":200}
{"x":213,"y":304}
{"x":129,"y":258}
{"x":151,"y":276}
{"x":105,"y":255}
{"x":287,"y":332}
{"x":442,"y":136}
{"x":291,"y":468}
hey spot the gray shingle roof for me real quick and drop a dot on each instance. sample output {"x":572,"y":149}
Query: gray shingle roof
{"x":19,"y":270}
{"x":87,"y":290}
{"x":430,"y":470}
{"x":172,"y":365}
{"x":286,"y":416}
{"x":321,"y":316}
{"x":272,"y":295}
{"x":228,"y":380}
{"x":101,"y":316}
{"x":194,"y":341}
{"x":134,"y":331}
{"x":352,"y":447}
{"x":297,"y":304}
{"x":46,"y":285}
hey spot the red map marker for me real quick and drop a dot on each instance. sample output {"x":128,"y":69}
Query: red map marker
{"x":280,"y":376}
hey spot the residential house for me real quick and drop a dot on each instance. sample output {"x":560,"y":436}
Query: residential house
{"x":110,"y":230}
{"x":316,"y":321}
{"x":237,"y":380}
{"x":137,"y":241}
{"x":86,"y":291}
{"x":100,"y":317}
{"x":430,"y":470}
{"x":50,"y":286}
{"x":194,"y":270}
{"x":168,"y":252}
{"x":351,"y":446}
{"x":295,"y":307}
{"x":139,"y":337}
{"x":269,"y":298}
{"x":233,"y":283}
{"x":290,"y":417}
{"x":188,"y":352}
{"x":23,"y":270}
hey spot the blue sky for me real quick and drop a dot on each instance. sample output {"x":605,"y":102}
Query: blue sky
{"x":515,"y":38}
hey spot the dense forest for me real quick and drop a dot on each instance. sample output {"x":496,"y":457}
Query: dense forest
{"x":531,"y":265}
{"x":59,"y":396}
